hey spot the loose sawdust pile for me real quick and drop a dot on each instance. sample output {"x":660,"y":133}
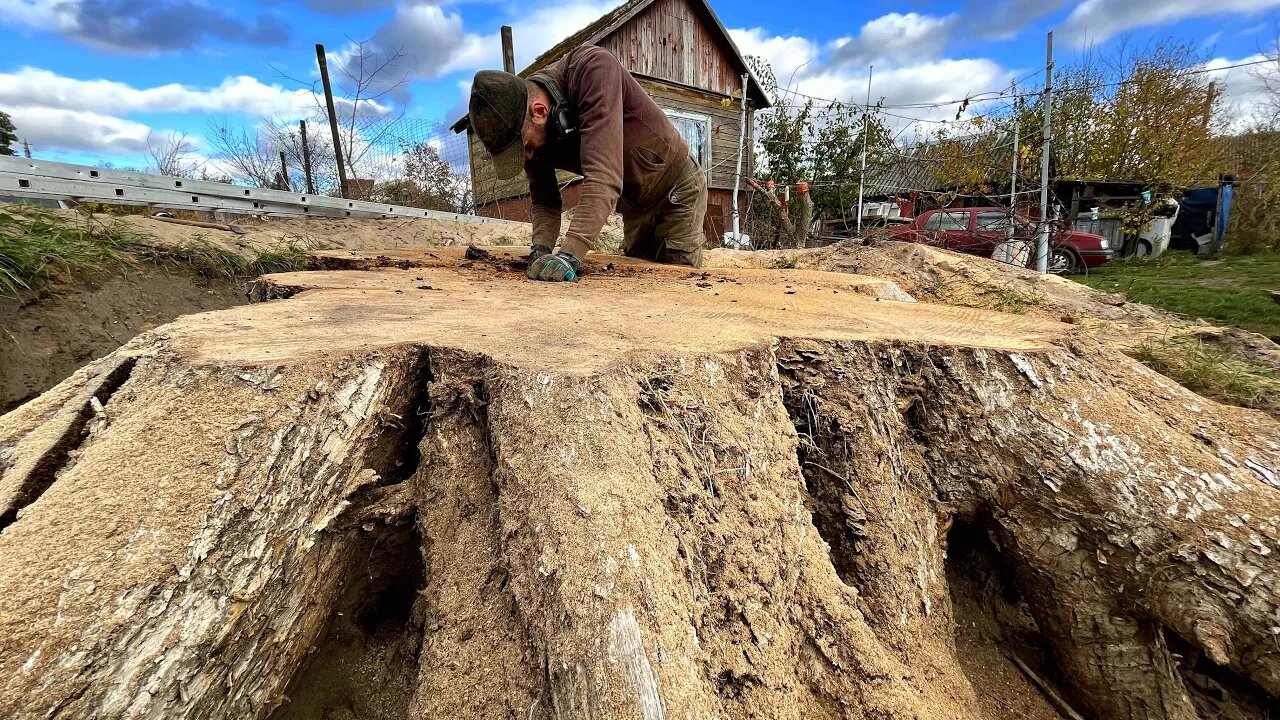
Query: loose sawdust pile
{"x":935,"y":275}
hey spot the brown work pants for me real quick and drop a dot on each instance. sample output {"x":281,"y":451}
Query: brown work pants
{"x":670,"y":232}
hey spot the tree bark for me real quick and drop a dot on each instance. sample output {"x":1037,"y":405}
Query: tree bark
{"x":749,"y":533}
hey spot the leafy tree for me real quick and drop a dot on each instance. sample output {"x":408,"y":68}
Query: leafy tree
{"x":1139,"y":116}
{"x":816,"y":143}
{"x":410,"y":194}
{"x":8,"y":134}
{"x":437,"y":179}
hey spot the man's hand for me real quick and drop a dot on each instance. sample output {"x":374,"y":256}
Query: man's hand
{"x":561,"y":267}
{"x":538,"y":251}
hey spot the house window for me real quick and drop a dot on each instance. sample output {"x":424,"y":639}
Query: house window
{"x":696,"y":131}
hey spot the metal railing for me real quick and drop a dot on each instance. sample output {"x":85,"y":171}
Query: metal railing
{"x":24,"y":177}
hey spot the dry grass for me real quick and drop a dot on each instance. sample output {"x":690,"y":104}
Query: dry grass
{"x":609,"y":242}
{"x":1214,"y":372}
{"x":39,"y":247}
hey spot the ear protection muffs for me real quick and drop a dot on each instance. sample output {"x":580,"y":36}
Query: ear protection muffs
{"x":562,"y":123}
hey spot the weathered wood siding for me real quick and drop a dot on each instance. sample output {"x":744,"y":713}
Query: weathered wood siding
{"x":725,"y":124}
{"x":678,"y":59}
{"x":670,"y":40}
{"x":485,"y":183}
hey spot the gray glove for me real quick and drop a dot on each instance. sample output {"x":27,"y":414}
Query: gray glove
{"x":561,"y":267}
{"x":538,"y":251}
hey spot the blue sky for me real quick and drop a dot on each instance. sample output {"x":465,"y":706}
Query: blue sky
{"x":87,"y":80}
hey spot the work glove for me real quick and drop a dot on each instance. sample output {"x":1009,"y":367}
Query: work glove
{"x":538,"y":251}
{"x":561,"y":267}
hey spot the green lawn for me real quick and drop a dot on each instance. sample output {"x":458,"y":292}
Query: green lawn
{"x":1229,"y":289}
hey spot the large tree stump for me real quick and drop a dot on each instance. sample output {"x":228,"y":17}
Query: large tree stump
{"x":650,"y":495}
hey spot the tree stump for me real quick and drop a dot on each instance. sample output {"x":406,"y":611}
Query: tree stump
{"x":649,"y":495}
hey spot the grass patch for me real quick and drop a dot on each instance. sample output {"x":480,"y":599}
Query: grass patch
{"x":1213,"y":372}
{"x":609,"y":242}
{"x":786,"y":262}
{"x":1227,"y":289}
{"x":38,"y":246}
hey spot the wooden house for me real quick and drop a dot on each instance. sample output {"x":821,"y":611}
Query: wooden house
{"x":681,"y":54}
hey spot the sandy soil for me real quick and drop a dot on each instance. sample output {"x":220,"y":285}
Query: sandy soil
{"x":45,"y":339}
{"x":360,"y":234}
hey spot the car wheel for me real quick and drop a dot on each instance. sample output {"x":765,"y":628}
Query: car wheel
{"x":1142,"y":249}
{"x":1063,"y":261}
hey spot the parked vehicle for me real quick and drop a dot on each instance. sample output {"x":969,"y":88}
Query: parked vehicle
{"x":979,"y":231}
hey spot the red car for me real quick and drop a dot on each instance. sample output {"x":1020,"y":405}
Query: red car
{"x":979,"y":230}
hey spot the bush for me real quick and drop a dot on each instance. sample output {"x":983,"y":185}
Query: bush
{"x":1250,"y":240}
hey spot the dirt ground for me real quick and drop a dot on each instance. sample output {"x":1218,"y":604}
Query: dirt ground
{"x":45,"y":339}
{"x":325,"y":233}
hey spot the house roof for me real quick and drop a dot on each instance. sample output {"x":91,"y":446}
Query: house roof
{"x":917,"y":167}
{"x":1246,"y":154}
{"x":606,"y":24}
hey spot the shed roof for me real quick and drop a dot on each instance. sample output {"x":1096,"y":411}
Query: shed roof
{"x":915,"y":167}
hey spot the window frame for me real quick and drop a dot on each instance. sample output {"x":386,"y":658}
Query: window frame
{"x":965,"y":213}
{"x":706,"y":124}
{"x":1006,"y":218}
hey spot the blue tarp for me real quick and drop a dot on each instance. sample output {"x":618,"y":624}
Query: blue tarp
{"x":1222,"y":216}
{"x":1196,"y":217}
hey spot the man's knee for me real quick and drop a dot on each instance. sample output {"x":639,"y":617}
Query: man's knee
{"x":681,"y":256}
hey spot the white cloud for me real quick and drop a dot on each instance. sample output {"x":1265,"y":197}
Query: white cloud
{"x":1095,"y":21}
{"x":432,"y":42}
{"x":74,"y":130}
{"x":1004,"y":20}
{"x":909,"y":68}
{"x":56,"y":112}
{"x":1245,"y":93}
{"x":785,"y":54}
{"x":897,"y":37}
{"x":34,"y":87}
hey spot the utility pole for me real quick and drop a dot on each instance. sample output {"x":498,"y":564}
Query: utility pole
{"x":1017,"y":152}
{"x":1208,"y":103}
{"x":508,"y":51}
{"x":866,"y":126}
{"x":284,"y":174}
{"x":333,"y":119}
{"x":306,"y":157}
{"x":1042,"y":249}
{"x":737,"y":172}
{"x":1017,"y":146}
